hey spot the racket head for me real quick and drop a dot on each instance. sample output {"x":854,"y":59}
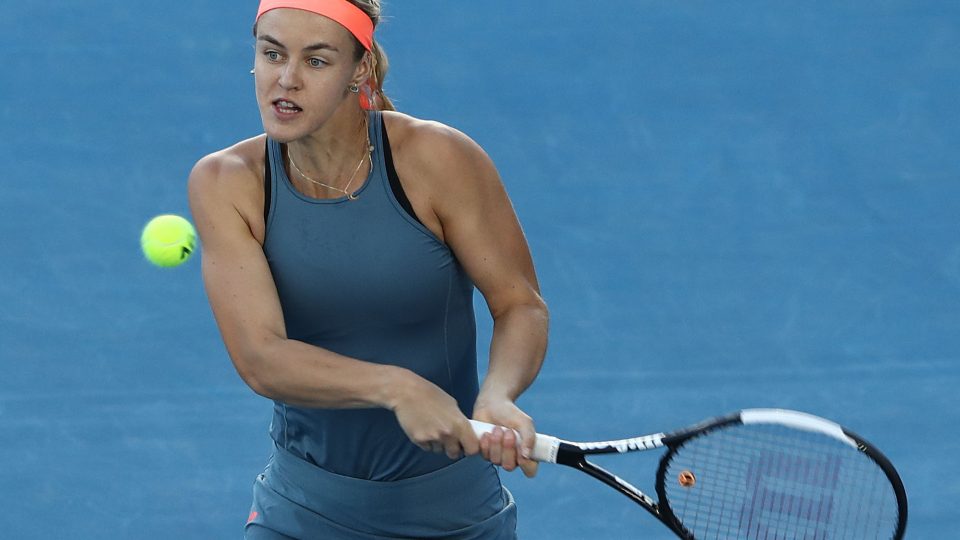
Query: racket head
{"x":770,"y":473}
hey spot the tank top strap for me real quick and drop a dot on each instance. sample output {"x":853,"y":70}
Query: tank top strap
{"x":273,"y":176}
{"x":378,"y":169}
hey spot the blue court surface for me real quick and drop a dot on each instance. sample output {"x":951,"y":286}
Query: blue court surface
{"x":731,"y":204}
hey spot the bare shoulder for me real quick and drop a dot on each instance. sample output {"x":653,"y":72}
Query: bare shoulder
{"x":229,"y":168}
{"x":471,"y":206}
{"x":445,"y":159}
{"x":231,"y":177}
{"x":431,"y":143}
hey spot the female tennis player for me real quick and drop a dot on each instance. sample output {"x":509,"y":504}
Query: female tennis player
{"x":341,"y":249}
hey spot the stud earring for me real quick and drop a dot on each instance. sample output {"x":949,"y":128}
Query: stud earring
{"x":354,"y":88}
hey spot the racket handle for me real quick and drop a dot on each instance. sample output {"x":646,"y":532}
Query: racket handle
{"x":544,"y":448}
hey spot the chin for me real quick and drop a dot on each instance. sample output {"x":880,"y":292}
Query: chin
{"x":282,"y":134}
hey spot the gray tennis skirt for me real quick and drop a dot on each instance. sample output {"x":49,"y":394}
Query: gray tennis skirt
{"x":295,"y":499}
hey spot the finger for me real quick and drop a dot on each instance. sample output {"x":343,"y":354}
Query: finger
{"x":496,"y":444}
{"x":528,"y":435}
{"x":508,"y":453}
{"x":529,"y":467}
{"x":485,"y":446}
{"x":436,"y":447}
{"x":452,"y":448}
{"x":469,"y":442}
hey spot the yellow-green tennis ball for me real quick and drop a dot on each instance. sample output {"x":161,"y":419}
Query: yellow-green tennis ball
{"x":168,"y":240}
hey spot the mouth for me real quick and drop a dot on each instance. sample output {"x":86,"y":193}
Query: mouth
{"x":285,"y":106}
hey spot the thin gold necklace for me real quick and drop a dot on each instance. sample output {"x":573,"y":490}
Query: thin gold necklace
{"x":346,"y":189}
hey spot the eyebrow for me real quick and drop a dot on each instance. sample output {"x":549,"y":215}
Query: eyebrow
{"x":320,"y":45}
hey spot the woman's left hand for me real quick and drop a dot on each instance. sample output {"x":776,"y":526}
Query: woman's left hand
{"x":501,"y":446}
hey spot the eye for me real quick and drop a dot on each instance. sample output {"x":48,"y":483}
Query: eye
{"x":316,"y":62}
{"x":272,"y":56}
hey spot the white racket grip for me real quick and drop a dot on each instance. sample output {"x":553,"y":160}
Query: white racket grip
{"x":544,"y":448}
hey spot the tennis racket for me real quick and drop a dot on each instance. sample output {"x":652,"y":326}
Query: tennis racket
{"x":756,"y":474}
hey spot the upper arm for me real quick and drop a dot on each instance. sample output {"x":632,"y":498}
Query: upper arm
{"x":236,"y":275}
{"x":478,"y":220}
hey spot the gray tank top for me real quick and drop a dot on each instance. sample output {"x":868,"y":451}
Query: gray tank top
{"x":365,"y":279}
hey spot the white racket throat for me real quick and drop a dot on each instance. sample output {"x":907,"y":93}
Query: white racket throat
{"x":797,"y":420}
{"x":544,"y":448}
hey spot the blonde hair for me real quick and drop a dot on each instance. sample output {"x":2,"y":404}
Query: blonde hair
{"x":381,"y":64}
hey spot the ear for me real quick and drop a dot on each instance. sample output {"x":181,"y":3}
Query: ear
{"x":364,"y":70}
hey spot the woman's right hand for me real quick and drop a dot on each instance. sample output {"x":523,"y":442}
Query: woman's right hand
{"x":431,"y":418}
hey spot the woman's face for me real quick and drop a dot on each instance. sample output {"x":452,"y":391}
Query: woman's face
{"x":304,"y":65}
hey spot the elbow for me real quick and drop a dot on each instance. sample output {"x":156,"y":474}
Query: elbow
{"x":543,"y":309}
{"x":533,"y":308}
{"x":538,"y":305}
{"x":253,"y":365}
{"x":256,"y":381}
{"x":539,"y":310}
{"x":252,"y":374}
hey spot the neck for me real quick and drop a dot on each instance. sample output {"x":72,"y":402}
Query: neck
{"x":334,"y":148}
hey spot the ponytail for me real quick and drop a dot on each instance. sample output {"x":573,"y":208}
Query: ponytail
{"x":373,"y":96}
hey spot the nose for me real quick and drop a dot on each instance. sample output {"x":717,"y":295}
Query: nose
{"x":290,"y":76}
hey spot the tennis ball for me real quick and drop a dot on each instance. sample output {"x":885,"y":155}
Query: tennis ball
{"x":168,"y":240}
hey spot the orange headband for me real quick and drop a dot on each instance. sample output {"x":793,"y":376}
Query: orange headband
{"x":348,"y":15}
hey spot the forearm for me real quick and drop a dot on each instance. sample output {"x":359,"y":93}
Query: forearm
{"x":306,"y":376}
{"x":516,"y":351}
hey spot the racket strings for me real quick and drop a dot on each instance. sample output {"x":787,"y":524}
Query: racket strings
{"x":775,"y":483}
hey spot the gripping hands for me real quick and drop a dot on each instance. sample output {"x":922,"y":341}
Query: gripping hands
{"x":433,"y":421}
